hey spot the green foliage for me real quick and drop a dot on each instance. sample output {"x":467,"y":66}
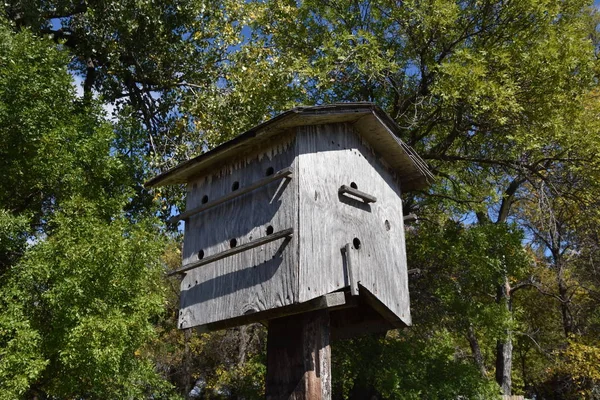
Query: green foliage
{"x":80,"y":283}
{"x":13,"y":238}
{"x":21,"y":360}
{"x":51,"y":147}
{"x":87,"y":293}
{"x":410,"y":365}
{"x":144,"y":56}
{"x":462,"y":267}
{"x":246,"y":380}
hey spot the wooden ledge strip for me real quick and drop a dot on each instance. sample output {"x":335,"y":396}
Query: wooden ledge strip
{"x":235,"y":250}
{"x":367,"y":198}
{"x":351,"y":272}
{"x":284,"y":173}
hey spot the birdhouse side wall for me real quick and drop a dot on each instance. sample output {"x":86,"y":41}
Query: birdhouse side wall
{"x":254,"y":280}
{"x":330,"y":156}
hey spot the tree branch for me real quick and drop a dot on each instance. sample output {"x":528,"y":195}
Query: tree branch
{"x":508,"y":199}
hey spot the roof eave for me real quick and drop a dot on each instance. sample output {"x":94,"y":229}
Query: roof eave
{"x":419,"y":177}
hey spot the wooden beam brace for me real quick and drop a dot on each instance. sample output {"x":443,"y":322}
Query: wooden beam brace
{"x":351,"y":272}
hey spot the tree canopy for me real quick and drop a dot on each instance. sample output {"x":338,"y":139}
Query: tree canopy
{"x":80,"y":282}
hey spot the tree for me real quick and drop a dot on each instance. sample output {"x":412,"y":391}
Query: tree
{"x":142,"y":56}
{"x":80,"y":283}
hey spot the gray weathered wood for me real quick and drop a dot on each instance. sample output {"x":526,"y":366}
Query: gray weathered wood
{"x":228,"y":253}
{"x":410,"y":218}
{"x":261,"y":278}
{"x":299,"y":358}
{"x":380,"y":130}
{"x":367,"y":198}
{"x":241,"y":262}
{"x":330,"y":156}
{"x":332,"y":302}
{"x":284,"y":173}
{"x":351,"y":276}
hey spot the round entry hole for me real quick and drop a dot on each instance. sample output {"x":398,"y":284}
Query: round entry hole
{"x":353,"y":185}
{"x":200,"y":254}
{"x":387,"y":225}
{"x":235,"y":186}
{"x":356,"y":243}
{"x":270,"y":171}
{"x":269,"y":230}
{"x":204,"y":199}
{"x":233,"y":243}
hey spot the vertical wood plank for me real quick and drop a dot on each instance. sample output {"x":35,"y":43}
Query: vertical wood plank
{"x":299,"y":357}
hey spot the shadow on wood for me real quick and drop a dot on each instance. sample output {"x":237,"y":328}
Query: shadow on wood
{"x":230,"y":282}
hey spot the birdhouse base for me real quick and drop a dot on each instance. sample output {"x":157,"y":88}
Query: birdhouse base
{"x":350,"y":316}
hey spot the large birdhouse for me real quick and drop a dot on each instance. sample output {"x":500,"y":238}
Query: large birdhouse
{"x":299,"y":213}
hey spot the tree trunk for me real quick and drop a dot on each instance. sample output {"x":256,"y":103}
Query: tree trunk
{"x":187,"y":361}
{"x":476,"y":350}
{"x":567,"y":317}
{"x":88,"y":83}
{"x":504,"y":348}
{"x":563,"y":295}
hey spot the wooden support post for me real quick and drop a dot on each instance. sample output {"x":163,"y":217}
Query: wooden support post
{"x":299,"y":357}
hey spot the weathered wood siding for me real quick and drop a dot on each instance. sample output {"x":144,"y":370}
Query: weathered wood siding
{"x":330,"y":156}
{"x":257,"y":279}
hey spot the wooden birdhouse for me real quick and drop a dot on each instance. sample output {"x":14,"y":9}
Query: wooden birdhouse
{"x":299,"y":213}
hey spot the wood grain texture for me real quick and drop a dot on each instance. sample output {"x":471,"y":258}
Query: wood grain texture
{"x":284,"y":173}
{"x":299,"y":357}
{"x":286,"y":233}
{"x":331,"y":301}
{"x":255,"y":280}
{"x":330,"y":156}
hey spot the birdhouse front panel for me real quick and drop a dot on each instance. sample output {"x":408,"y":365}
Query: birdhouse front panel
{"x":351,"y":222}
{"x":245,"y":215}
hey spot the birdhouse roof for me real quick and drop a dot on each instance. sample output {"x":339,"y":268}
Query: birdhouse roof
{"x":374,"y":125}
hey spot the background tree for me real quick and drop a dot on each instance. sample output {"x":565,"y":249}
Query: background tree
{"x":80,"y":282}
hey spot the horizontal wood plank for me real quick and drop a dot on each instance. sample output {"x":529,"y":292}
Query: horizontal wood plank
{"x":331,"y":301}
